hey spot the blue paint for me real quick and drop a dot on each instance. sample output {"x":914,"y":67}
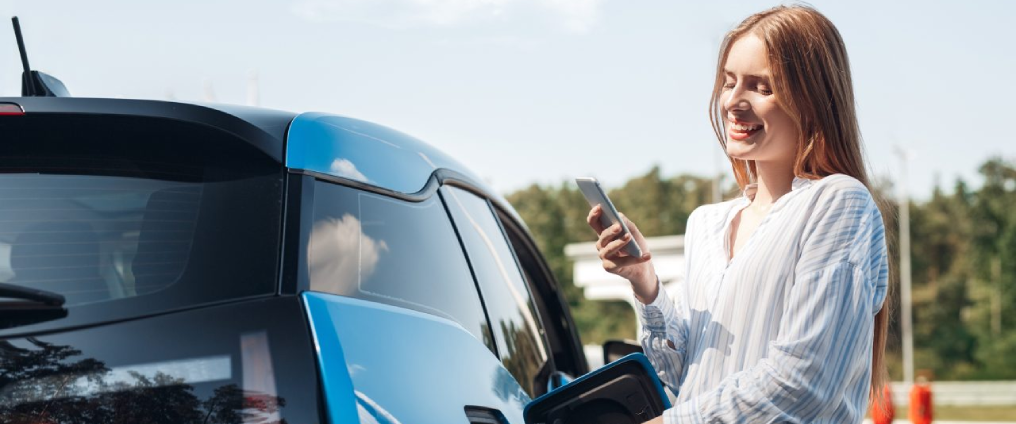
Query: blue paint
{"x":335,"y":381}
{"x":404,"y":366}
{"x":364,"y":152}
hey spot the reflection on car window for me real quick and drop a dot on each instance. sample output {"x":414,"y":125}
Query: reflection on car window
{"x":47,"y":382}
{"x":400,"y":253}
{"x":517,"y":329}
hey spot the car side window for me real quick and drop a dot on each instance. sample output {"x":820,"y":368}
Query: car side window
{"x":517,"y":329}
{"x":565,"y":347}
{"x":401,"y":253}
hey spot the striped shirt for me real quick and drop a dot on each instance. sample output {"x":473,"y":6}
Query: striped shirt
{"x":783,"y":332}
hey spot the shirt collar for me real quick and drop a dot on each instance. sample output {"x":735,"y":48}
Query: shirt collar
{"x":797,"y":184}
{"x":800,"y":183}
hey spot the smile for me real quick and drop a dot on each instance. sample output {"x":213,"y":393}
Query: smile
{"x":741,"y":132}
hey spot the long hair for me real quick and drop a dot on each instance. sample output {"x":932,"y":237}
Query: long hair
{"x":811,"y":81}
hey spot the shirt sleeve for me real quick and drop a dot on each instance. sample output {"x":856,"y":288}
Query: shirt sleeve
{"x":663,"y":336}
{"x":826,"y":328}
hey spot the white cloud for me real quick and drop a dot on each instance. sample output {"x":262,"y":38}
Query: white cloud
{"x":572,"y":15}
{"x":346,"y":169}
{"x":340,"y":255}
{"x":579,"y":15}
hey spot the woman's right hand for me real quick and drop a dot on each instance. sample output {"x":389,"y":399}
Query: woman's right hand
{"x":610,"y":246}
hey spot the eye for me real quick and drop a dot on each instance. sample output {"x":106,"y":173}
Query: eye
{"x":764,"y":90}
{"x":729,"y":85}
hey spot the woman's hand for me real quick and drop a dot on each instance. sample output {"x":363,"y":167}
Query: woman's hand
{"x":610,"y":246}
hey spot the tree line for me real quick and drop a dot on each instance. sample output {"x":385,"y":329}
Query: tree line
{"x":963,"y":253}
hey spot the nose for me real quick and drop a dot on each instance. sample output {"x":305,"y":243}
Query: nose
{"x":736,"y":99}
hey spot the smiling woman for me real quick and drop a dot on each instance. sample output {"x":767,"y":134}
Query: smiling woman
{"x":779,"y":317}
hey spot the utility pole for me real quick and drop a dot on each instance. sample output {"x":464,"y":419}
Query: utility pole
{"x":905,"y":299}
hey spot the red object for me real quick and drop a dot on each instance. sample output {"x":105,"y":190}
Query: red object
{"x":920,"y":404}
{"x":11,"y":109}
{"x":882,"y":410}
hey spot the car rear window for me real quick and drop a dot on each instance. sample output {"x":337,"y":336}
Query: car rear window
{"x":131,"y":216}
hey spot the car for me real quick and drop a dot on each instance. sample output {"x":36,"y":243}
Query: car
{"x":166,"y":262}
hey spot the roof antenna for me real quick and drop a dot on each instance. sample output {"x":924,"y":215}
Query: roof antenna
{"x":35,"y":83}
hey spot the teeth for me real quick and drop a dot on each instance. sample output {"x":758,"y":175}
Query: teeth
{"x":740,"y":127}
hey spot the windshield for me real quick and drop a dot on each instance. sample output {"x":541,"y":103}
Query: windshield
{"x":129,"y":216}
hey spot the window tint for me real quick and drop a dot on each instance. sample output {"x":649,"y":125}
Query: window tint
{"x":400,"y":253}
{"x":513,"y":316}
{"x":128,"y":216}
{"x":169,"y":369}
{"x":92,"y":238}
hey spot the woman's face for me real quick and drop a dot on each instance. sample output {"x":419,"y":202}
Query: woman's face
{"x":757,"y":127}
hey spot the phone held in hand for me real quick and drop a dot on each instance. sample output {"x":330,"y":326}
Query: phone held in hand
{"x":595,"y":195}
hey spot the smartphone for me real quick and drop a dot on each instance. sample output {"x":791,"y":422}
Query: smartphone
{"x":596,"y":196}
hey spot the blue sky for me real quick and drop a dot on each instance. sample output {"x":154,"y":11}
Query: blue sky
{"x":539,"y":91}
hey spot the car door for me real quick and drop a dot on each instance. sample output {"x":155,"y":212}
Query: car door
{"x":401,"y":331}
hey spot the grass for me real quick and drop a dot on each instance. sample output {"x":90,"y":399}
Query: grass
{"x":975,"y":413}
{"x":966,"y":413}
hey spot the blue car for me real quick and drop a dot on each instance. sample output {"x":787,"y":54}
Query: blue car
{"x":165,"y":262}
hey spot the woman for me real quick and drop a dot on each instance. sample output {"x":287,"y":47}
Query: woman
{"x":780,"y":316}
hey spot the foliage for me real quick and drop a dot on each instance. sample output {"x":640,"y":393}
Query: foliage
{"x":963,"y":250}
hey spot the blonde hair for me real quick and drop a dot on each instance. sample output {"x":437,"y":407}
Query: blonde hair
{"x":811,"y":81}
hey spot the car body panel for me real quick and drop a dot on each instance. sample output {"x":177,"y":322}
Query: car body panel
{"x":364,"y":152}
{"x":405,"y":366}
{"x":263,"y":128}
{"x":376,"y":157}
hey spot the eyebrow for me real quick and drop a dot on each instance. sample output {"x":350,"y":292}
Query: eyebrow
{"x":764,"y":77}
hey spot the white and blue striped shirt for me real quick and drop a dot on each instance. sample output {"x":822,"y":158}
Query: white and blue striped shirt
{"x":783,"y":332}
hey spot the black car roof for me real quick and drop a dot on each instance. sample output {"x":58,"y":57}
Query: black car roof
{"x":266,"y":129}
{"x":263,"y":128}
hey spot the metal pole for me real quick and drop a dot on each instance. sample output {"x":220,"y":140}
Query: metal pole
{"x":905,"y":299}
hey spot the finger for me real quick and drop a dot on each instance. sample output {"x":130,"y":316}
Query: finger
{"x":632,"y":228}
{"x":612,"y":248}
{"x":593,"y":219}
{"x":616,"y":263}
{"x":608,"y":235}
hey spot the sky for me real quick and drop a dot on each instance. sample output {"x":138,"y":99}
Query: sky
{"x":538,"y":91}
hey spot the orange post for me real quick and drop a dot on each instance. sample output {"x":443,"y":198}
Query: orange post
{"x":920,"y":402}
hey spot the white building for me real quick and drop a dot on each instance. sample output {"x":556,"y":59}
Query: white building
{"x":597,"y":284}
